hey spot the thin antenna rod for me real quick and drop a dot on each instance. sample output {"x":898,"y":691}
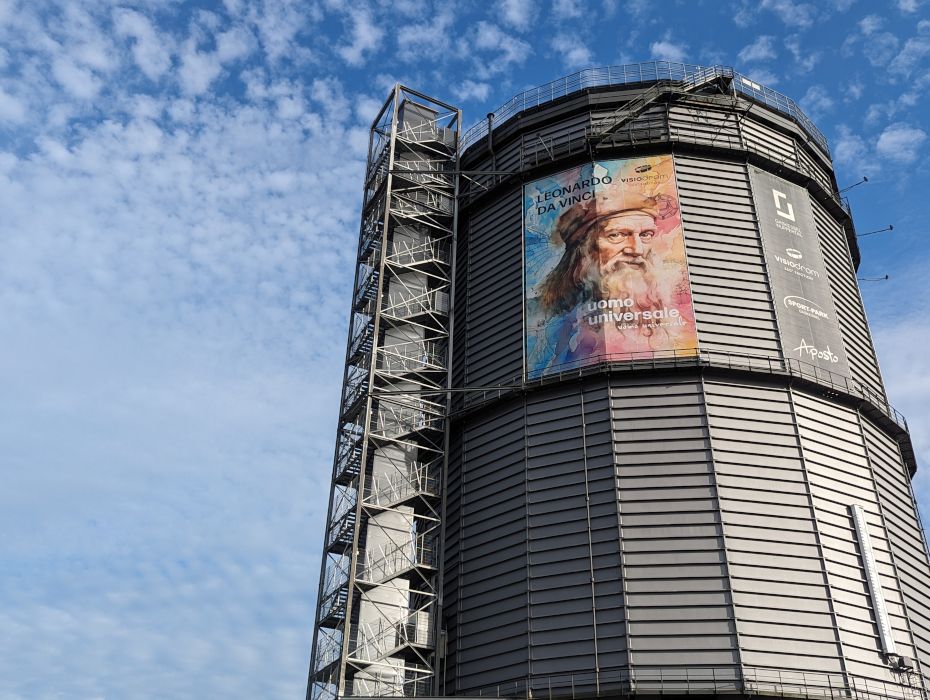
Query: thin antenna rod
{"x":889,"y":227}
{"x":863,"y":180}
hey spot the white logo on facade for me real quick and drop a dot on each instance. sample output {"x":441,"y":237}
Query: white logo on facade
{"x":811,"y":352}
{"x":805,"y":307}
{"x":794,"y":253}
{"x":781,"y":198}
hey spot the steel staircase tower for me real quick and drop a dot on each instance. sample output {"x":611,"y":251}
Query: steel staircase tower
{"x":377,"y":605}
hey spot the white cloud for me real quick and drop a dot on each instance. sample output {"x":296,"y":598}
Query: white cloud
{"x":817,"y":101}
{"x":849,"y":149}
{"x":853,"y":90}
{"x":900,"y":142}
{"x":913,"y":52}
{"x":12,"y":109}
{"x":870,"y":24}
{"x":150,"y":50}
{"x":804,"y":60}
{"x":793,"y":14}
{"x":279,"y":23}
{"x":572,"y":50}
{"x":198,"y":69}
{"x":428,"y":40}
{"x":762,"y":49}
{"x":880,"y":48}
{"x":167,"y":321}
{"x":566,"y":9}
{"x":909,"y":6}
{"x":508,"y":50}
{"x":471,"y":90}
{"x":763,"y":76}
{"x":80,"y":82}
{"x":366,"y":38}
{"x":519,"y":14}
{"x":668,"y":50}
{"x":233,"y":45}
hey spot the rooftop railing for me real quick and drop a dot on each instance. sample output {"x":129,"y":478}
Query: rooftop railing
{"x":665,"y":359}
{"x":703,"y":681}
{"x":646,"y":72}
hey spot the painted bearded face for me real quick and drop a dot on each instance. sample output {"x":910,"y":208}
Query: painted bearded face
{"x":625,"y":263}
{"x":624,"y":241}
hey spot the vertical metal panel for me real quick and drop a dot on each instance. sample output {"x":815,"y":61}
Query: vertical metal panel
{"x":779,"y":588}
{"x":667,"y":508}
{"x":494,"y":342}
{"x":491,"y":643}
{"x":764,"y":139}
{"x":851,"y":314}
{"x":839,"y":474}
{"x":729,"y":285}
{"x":813,"y":167}
{"x":905,"y":536}
{"x":573,"y":564}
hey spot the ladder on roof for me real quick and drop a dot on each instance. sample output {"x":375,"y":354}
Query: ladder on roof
{"x":632,"y":109}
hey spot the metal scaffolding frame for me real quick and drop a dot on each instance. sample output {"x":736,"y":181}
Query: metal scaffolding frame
{"x":378,"y":598}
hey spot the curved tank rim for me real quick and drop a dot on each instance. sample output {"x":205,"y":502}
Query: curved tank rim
{"x":643,"y":72}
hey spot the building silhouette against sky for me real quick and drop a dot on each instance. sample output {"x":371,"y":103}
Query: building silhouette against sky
{"x":612,"y":420}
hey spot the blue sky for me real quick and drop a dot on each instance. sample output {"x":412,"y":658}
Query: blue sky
{"x":179,"y":195}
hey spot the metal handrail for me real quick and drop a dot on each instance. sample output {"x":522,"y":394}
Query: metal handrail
{"x":721,"y":680}
{"x":412,"y":356}
{"x":662,"y":359}
{"x":400,"y":486}
{"x":648,"y":71}
{"x":376,"y":643}
{"x":419,"y":551}
{"x":404,"y":304}
{"x":430,"y":249}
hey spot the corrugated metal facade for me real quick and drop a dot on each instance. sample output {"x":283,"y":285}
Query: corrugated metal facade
{"x":607,"y":531}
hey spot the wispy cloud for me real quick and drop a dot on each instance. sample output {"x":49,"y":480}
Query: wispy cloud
{"x":365,"y":38}
{"x":471,"y":90}
{"x":817,"y":101}
{"x":762,"y":49}
{"x":668,"y":50}
{"x":567,"y":9}
{"x":573,"y":51}
{"x":900,"y":142}
{"x":804,"y":60}
{"x":519,"y":14}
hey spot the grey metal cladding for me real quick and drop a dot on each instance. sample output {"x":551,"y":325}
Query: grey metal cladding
{"x":904,"y":536}
{"x":662,"y":463}
{"x":573,"y":566}
{"x":723,"y":247}
{"x":703,"y":124}
{"x":491,"y":619}
{"x":493,"y":346}
{"x":777,"y":573}
{"x":839,"y":474}
{"x":860,"y":352}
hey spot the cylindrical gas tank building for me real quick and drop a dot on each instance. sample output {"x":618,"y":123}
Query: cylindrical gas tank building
{"x":616,"y":426}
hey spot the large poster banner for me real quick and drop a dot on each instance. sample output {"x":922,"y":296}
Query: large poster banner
{"x":605,"y":268}
{"x":801,"y":290}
